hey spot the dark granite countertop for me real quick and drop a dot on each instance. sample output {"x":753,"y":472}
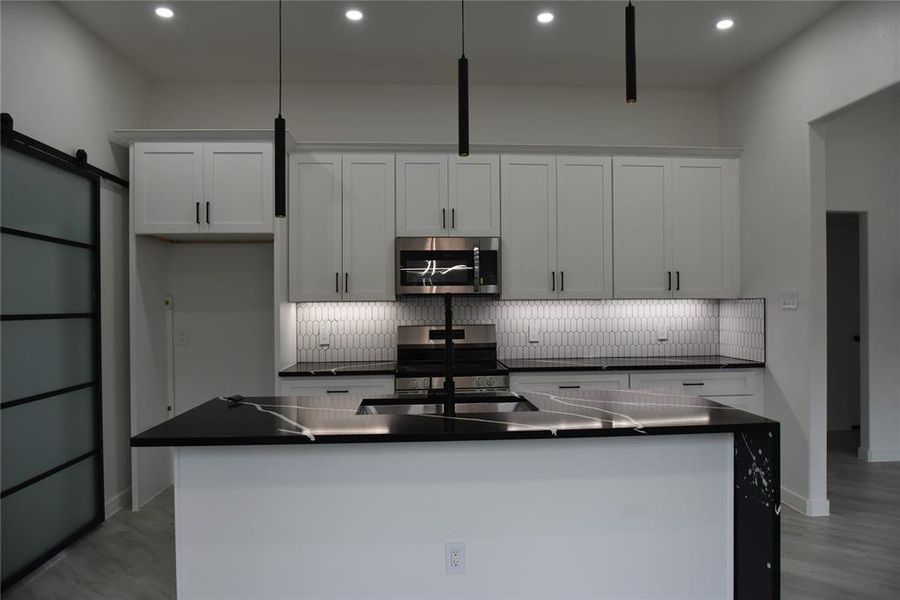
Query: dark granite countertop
{"x":628,"y":363}
{"x":333,"y":419}
{"x":361,"y":367}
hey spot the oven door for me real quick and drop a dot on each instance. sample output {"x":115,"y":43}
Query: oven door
{"x":447,"y":266}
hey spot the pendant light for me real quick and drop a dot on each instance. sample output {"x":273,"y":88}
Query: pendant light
{"x":280,"y":187}
{"x":630,"y":66}
{"x":463,"y":88}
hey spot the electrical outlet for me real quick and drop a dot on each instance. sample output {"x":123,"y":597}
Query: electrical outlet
{"x":324,"y":335}
{"x":455,"y":557}
{"x":662,"y":330}
{"x":790,"y":299}
{"x":181,"y":337}
{"x":534,"y":334}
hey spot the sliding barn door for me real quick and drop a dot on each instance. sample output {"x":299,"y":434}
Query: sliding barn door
{"x":52,"y":463}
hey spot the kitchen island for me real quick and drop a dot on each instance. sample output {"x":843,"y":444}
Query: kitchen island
{"x":594,"y":494}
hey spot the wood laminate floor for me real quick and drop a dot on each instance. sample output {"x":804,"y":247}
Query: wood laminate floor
{"x":853,"y":554}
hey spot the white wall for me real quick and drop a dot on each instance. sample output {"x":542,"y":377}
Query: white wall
{"x":66,"y":88}
{"x":852,"y":52}
{"x":427,"y":113}
{"x":862,"y":156}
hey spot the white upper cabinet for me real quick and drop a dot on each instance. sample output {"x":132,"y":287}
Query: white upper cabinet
{"x":368,"y":227}
{"x":705,"y":228}
{"x":194,"y":188}
{"x":168,"y":187}
{"x":341,"y":237}
{"x":238,"y":187}
{"x":422,"y":195}
{"x":584,"y":227}
{"x":642,"y":201}
{"x":440,"y":195}
{"x":314,"y":235}
{"x":676,"y":228}
{"x":528,"y":217}
{"x":474,"y":198}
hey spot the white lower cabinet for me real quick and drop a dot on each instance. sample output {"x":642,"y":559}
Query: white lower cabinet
{"x":324,"y":385}
{"x":558,"y":382}
{"x":739,"y":388}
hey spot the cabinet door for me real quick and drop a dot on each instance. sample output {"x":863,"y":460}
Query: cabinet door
{"x":368,"y":232}
{"x":642,"y":202}
{"x":422,"y":195}
{"x":584,"y":227}
{"x":475,"y":196}
{"x":705,"y":236}
{"x":238,"y":187}
{"x":314,"y":235}
{"x":168,"y":187}
{"x":528,"y":220}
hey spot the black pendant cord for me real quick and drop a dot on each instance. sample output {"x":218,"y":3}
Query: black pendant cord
{"x":630,"y":58}
{"x":280,"y":135}
{"x":463,"y":87}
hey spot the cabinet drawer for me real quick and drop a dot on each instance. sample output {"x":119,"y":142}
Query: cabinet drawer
{"x":560,"y":382}
{"x":325,"y":385}
{"x":699,"y":383}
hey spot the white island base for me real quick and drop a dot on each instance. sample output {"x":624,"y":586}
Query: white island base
{"x":616,"y":517}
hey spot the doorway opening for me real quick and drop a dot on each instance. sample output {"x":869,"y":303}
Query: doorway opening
{"x":845,"y":247}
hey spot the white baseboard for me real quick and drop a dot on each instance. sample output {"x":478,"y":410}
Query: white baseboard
{"x":118,"y":502}
{"x":878,"y":454}
{"x":803,"y":505}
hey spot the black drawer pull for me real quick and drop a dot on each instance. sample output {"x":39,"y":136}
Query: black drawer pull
{"x":570,"y":387}
{"x":693,"y":383}
{"x":197,"y":212}
{"x":337,"y":391}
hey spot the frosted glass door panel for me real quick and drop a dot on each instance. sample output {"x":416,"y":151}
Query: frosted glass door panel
{"x":45,"y":355}
{"x":40,"y":277}
{"x":38,"y":517}
{"x":40,"y":435}
{"x":41,"y":198}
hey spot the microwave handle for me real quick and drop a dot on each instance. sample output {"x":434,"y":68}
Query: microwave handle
{"x":477,"y":270}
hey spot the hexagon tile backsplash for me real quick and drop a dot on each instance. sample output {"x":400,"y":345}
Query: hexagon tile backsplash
{"x":564,"y":328}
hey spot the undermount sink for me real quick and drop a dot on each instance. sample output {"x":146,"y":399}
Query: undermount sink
{"x":435,"y":406}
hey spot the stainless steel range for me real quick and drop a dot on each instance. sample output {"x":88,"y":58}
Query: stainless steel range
{"x":421,"y":355}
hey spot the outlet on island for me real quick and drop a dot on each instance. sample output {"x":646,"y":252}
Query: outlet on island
{"x":455,"y":557}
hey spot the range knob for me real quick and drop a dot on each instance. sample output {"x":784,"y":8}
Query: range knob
{"x":490,"y":381}
{"x":479,"y":381}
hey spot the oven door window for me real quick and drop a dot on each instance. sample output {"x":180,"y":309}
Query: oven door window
{"x":429,"y":268}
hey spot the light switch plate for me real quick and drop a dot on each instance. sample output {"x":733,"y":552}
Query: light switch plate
{"x":790,"y":299}
{"x":324,"y":335}
{"x":662,"y":330}
{"x":534,"y":334}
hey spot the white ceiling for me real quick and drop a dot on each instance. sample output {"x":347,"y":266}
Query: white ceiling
{"x":418,"y":41}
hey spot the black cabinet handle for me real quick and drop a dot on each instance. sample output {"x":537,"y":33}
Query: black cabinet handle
{"x":337,"y":286}
{"x":553,"y":281}
{"x":693,"y":383}
{"x":443,"y":218}
{"x":337,"y":391}
{"x":207,"y":213}
{"x":570,"y":387}
{"x":346,"y":282}
{"x":562,"y":281}
{"x":677,"y":280}
{"x":452,"y":218}
{"x":669,"y":286}
{"x":197,"y":212}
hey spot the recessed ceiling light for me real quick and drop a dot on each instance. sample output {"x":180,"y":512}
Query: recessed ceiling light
{"x":165,"y":12}
{"x":545,"y":17}
{"x":354,"y":15}
{"x":724,"y":24}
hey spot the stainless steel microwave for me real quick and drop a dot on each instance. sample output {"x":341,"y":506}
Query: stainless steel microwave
{"x":447,"y":265}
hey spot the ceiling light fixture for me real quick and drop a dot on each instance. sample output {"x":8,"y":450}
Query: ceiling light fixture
{"x":724,"y":24}
{"x":280,"y":184}
{"x":545,"y":17}
{"x":630,"y":59}
{"x":354,"y":15}
{"x":463,"y":87}
{"x":164,"y":12}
